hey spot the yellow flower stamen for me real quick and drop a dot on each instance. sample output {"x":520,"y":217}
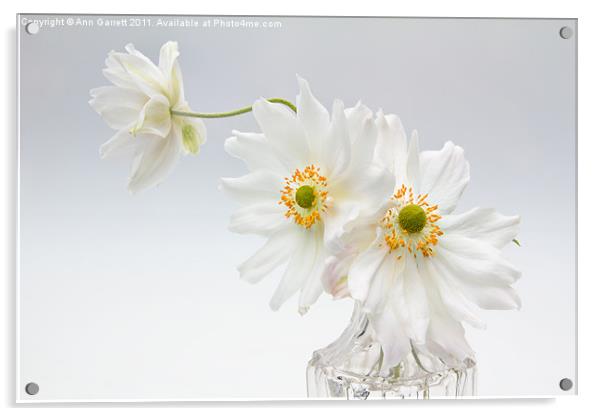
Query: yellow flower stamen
{"x":304,"y":194}
{"x":410,"y":224}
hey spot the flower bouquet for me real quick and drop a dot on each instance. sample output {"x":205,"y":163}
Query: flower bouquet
{"x":349,"y":206}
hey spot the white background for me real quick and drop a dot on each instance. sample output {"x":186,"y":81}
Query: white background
{"x":589,"y":72}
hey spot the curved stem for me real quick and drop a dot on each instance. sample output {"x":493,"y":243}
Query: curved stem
{"x":234,"y":112}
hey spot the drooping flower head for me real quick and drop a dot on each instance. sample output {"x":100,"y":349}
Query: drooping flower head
{"x":138,"y":105}
{"x":419,"y":270}
{"x":311,"y":175}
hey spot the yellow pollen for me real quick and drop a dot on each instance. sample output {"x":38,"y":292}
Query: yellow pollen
{"x":410,"y":225}
{"x":304,"y":194}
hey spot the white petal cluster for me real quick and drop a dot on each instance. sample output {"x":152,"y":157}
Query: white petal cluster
{"x":138,"y":106}
{"x":345,"y":202}
{"x":330,"y":156}
{"x":419,"y":288}
{"x":350,"y":207}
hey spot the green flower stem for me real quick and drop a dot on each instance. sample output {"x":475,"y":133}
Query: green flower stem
{"x":234,"y":112}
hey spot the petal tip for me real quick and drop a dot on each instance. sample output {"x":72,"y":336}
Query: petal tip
{"x":303,"y":309}
{"x":274,"y":306}
{"x":132,"y":190}
{"x":302,"y":81}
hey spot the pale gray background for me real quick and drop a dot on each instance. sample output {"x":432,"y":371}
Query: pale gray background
{"x":137,"y":297}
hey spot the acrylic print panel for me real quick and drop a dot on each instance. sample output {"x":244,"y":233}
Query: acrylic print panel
{"x":132,"y":291}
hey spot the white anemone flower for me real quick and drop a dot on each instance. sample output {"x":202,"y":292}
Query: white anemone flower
{"x":419,"y":270}
{"x":311,"y":175}
{"x":138,"y":105}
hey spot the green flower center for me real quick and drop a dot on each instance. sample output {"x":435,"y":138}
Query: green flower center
{"x":412,"y":218}
{"x":305,"y":196}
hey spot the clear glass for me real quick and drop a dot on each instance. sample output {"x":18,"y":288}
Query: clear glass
{"x":349,"y":368}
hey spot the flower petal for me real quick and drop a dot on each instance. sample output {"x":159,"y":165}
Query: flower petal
{"x":283,"y":131}
{"x":155,"y":117}
{"x":155,"y":162}
{"x":445,"y":174}
{"x":385,"y":279}
{"x":391,"y":148}
{"x":367,"y":282}
{"x":121,"y":143}
{"x":451,"y":299}
{"x":337,"y":218}
{"x":411,"y":302}
{"x":261,"y":218}
{"x":412,"y":175}
{"x":175,"y":87}
{"x":484,"y":225}
{"x":475,"y":261}
{"x":389,"y":332}
{"x":493,"y":297}
{"x":363,"y":139}
{"x":342,"y":251}
{"x":115,"y":73}
{"x":336,"y":153}
{"x":168,"y":64}
{"x":119,"y":107}
{"x":313,"y":116}
{"x":312,"y":289}
{"x":167,"y":57}
{"x":446,"y":339}
{"x":299,"y":268}
{"x":278,"y":248}
{"x":334,"y":276}
{"x":255,"y":151}
{"x":357,"y":117}
{"x":479,"y":272}
{"x":256,"y":187}
{"x":369,"y":188}
{"x":142,"y":72}
{"x":340,"y":289}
